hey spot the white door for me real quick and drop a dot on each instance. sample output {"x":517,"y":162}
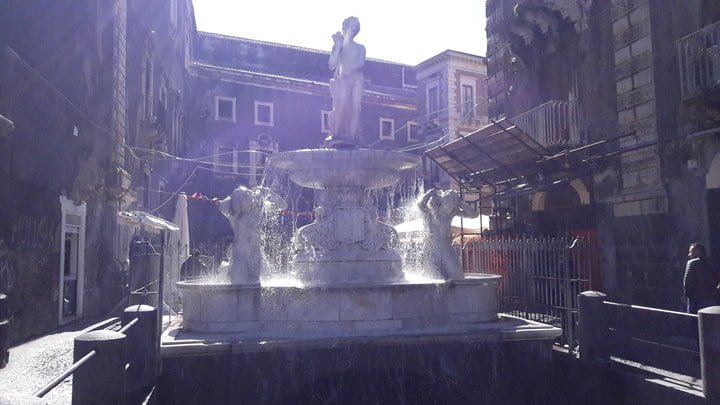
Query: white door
{"x":72,"y":260}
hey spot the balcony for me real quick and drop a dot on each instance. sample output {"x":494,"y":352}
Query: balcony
{"x":699,"y":62}
{"x":154,"y":130}
{"x":554,"y":123}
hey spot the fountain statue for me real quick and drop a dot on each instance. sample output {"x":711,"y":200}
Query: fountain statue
{"x":244,"y":209}
{"x":347,"y":59}
{"x":438,"y":209}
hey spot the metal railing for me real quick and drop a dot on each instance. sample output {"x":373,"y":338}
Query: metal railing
{"x":4,"y":330}
{"x":551,"y":124}
{"x":541,"y":276}
{"x":137,"y":365}
{"x":67,"y":373}
{"x":683,"y":345}
{"x":699,"y":61}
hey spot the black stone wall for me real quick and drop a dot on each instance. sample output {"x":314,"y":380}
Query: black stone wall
{"x":371,"y":371}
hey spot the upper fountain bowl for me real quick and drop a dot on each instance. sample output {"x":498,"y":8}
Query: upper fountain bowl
{"x":331,"y":168}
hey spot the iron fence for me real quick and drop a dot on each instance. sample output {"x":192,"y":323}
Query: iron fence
{"x":699,"y":61}
{"x":204,"y":261}
{"x":541,"y":276}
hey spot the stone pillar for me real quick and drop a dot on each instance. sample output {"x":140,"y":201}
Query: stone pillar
{"x":4,"y":330}
{"x":642,"y":191}
{"x":102,"y":379}
{"x":142,"y":347}
{"x":709,"y":331}
{"x":593,"y":323}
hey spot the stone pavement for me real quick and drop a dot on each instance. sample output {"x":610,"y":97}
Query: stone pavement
{"x":34,"y":363}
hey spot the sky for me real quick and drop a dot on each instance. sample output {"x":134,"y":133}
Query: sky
{"x":404,"y":31}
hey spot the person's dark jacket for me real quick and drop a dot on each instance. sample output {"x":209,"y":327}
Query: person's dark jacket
{"x":701,"y":280}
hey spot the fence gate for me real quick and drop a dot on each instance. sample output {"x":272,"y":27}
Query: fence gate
{"x":541,"y":276}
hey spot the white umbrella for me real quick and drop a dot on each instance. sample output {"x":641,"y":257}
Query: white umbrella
{"x":179,"y":245}
{"x":181,"y":220}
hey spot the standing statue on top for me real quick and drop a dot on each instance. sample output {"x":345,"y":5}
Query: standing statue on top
{"x":347,"y":59}
{"x":244,"y":208}
{"x":438,"y":209}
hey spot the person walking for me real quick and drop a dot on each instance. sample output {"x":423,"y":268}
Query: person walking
{"x":701,"y":280}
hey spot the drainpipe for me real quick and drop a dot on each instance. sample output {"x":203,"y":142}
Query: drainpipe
{"x":6,"y":126}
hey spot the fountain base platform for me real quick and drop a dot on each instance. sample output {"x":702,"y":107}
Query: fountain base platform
{"x":507,"y":361}
{"x":337,"y":310}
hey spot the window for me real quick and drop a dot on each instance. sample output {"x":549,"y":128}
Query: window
{"x":324,"y":123}
{"x":225,"y":108}
{"x":161,"y":114}
{"x":173,"y":13}
{"x":263,"y":113}
{"x":163,"y":96}
{"x":187,"y":47}
{"x":147,"y":89}
{"x":412,"y":131}
{"x":387,"y":128}
{"x":433,"y":99}
{"x":225,"y":159}
{"x":467,"y":96}
{"x":178,"y":140}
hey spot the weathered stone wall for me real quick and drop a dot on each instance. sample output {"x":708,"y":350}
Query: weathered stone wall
{"x":649,"y":201}
{"x":53,"y":87}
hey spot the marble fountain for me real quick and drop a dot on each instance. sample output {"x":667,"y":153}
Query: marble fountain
{"x":347,"y":321}
{"x":347,"y":277}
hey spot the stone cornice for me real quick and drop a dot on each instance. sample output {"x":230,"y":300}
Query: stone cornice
{"x":451,"y":55}
{"x":371,"y":94}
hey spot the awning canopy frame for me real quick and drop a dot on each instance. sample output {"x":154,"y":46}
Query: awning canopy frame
{"x":508,"y":161}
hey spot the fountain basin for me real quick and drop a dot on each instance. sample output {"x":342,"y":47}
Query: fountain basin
{"x":338,"y":310}
{"x":331,"y":168}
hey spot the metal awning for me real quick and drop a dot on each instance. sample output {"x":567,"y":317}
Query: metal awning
{"x":501,"y":160}
{"x":499,"y":153}
{"x":147,"y":221}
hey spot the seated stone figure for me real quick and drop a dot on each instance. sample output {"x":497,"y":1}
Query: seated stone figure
{"x":438,"y":209}
{"x":244,"y":208}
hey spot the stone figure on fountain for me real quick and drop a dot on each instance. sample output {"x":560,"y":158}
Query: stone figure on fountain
{"x":438,"y":208}
{"x":347,"y":59}
{"x":244,"y":209}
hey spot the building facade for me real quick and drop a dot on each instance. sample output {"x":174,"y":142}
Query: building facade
{"x":74,"y":84}
{"x":635,"y":80}
{"x":452,"y":101}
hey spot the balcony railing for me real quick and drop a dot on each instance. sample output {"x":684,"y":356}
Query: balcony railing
{"x":551,"y":124}
{"x":699,"y":57}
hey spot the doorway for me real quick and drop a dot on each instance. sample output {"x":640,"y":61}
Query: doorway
{"x":72,"y":260}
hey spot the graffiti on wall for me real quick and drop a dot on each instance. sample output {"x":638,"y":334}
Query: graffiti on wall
{"x":7,"y":268}
{"x":31,"y":232}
